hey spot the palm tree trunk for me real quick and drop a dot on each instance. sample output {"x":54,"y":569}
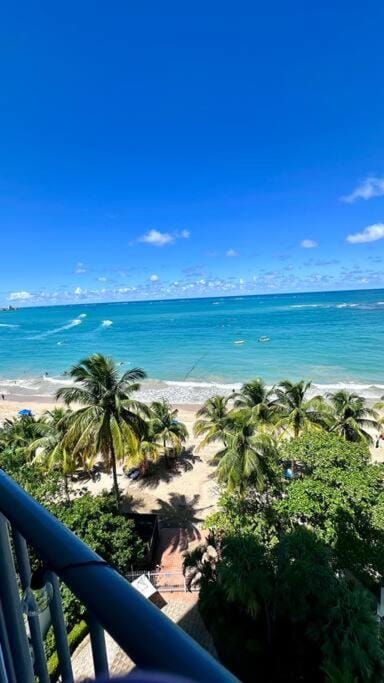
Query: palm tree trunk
{"x":114,"y":474}
{"x":296,"y":433}
{"x":66,"y":489}
{"x":144,"y":465}
{"x":165,"y":451}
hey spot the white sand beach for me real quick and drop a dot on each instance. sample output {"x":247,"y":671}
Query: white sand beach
{"x":188,"y":489}
{"x":190,"y":486}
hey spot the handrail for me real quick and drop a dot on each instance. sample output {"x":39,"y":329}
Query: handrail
{"x":142,"y":631}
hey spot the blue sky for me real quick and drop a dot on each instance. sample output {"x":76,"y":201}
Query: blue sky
{"x":194,"y":149}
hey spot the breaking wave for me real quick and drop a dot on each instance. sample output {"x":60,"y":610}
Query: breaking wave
{"x":359,"y":306}
{"x":68,"y":326}
{"x":177,"y":392}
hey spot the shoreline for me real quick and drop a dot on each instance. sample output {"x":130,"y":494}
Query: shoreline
{"x":42,"y":403}
{"x":178,"y":392}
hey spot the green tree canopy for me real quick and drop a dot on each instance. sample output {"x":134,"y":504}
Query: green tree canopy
{"x":339,"y":499}
{"x":295,"y":587}
{"x":285,"y":613}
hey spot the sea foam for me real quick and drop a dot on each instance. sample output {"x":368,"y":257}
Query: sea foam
{"x":177,"y":392}
{"x":72,"y":323}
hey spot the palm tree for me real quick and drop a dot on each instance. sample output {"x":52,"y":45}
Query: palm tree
{"x":212,"y":420}
{"x":351,"y":416}
{"x":295,"y":412}
{"x":255,"y":396}
{"x":165,"y":426}
{"x":379,"y":405}
{"x":51,"y":444}
{"x":19,"y":432}
{"x":146,"y":449}
{"x":110,"y":420}
{"x":246,"y":457}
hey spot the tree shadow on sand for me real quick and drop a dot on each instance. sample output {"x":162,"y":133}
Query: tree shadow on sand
{"x":131,"y":504}
{"x":166,"y":470}
{"x":181,"y":515}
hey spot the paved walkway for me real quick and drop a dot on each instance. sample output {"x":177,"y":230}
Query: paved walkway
{"x":179,"y":606}
{"x":184,"y":614}
{"x":173,"y":543}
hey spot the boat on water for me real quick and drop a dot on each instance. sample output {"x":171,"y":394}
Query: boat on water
{"x":263,"y":339}
{"x":239,"y":341}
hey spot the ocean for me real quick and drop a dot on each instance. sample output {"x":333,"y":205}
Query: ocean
{"x":193,"y":348}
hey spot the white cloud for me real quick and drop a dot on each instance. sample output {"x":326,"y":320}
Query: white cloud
{"x":309,"y":244}
{"x":160,"y":239}
{"x":154,"y":277}
{"x":231,"y":252}
{"x":78,"y":291}
{"x":80,"y":268}
{"x":373,"y":186}
{"x":157,"y":238}
{"x":20,"y":296}
{"x":371,"y":233}
{"x":102,"y":278}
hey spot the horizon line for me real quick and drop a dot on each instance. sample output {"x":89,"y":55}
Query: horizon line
{"x":191,"y":298}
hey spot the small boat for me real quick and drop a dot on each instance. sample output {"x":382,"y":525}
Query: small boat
{"x":263,"y":339}
{"x":239,"y":341}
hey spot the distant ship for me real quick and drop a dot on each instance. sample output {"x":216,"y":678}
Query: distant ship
{"x":263,"y":339}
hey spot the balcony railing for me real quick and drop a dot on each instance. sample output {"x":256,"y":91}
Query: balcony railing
{"x":147,"y":636}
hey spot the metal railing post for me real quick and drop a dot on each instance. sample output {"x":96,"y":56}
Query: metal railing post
{"x":6,"y":651}
{"x":13,"y":615}
{"x":105,"y":593}
{"x":61,"y":638}
{"x":24,"y":568}
{"x":99,"y":652}
{"x":3,"y":671}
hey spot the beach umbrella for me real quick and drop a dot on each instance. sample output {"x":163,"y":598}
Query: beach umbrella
{"x":25,"y":412}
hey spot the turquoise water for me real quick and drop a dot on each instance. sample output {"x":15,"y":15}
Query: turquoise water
{"x":330,"y":338}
